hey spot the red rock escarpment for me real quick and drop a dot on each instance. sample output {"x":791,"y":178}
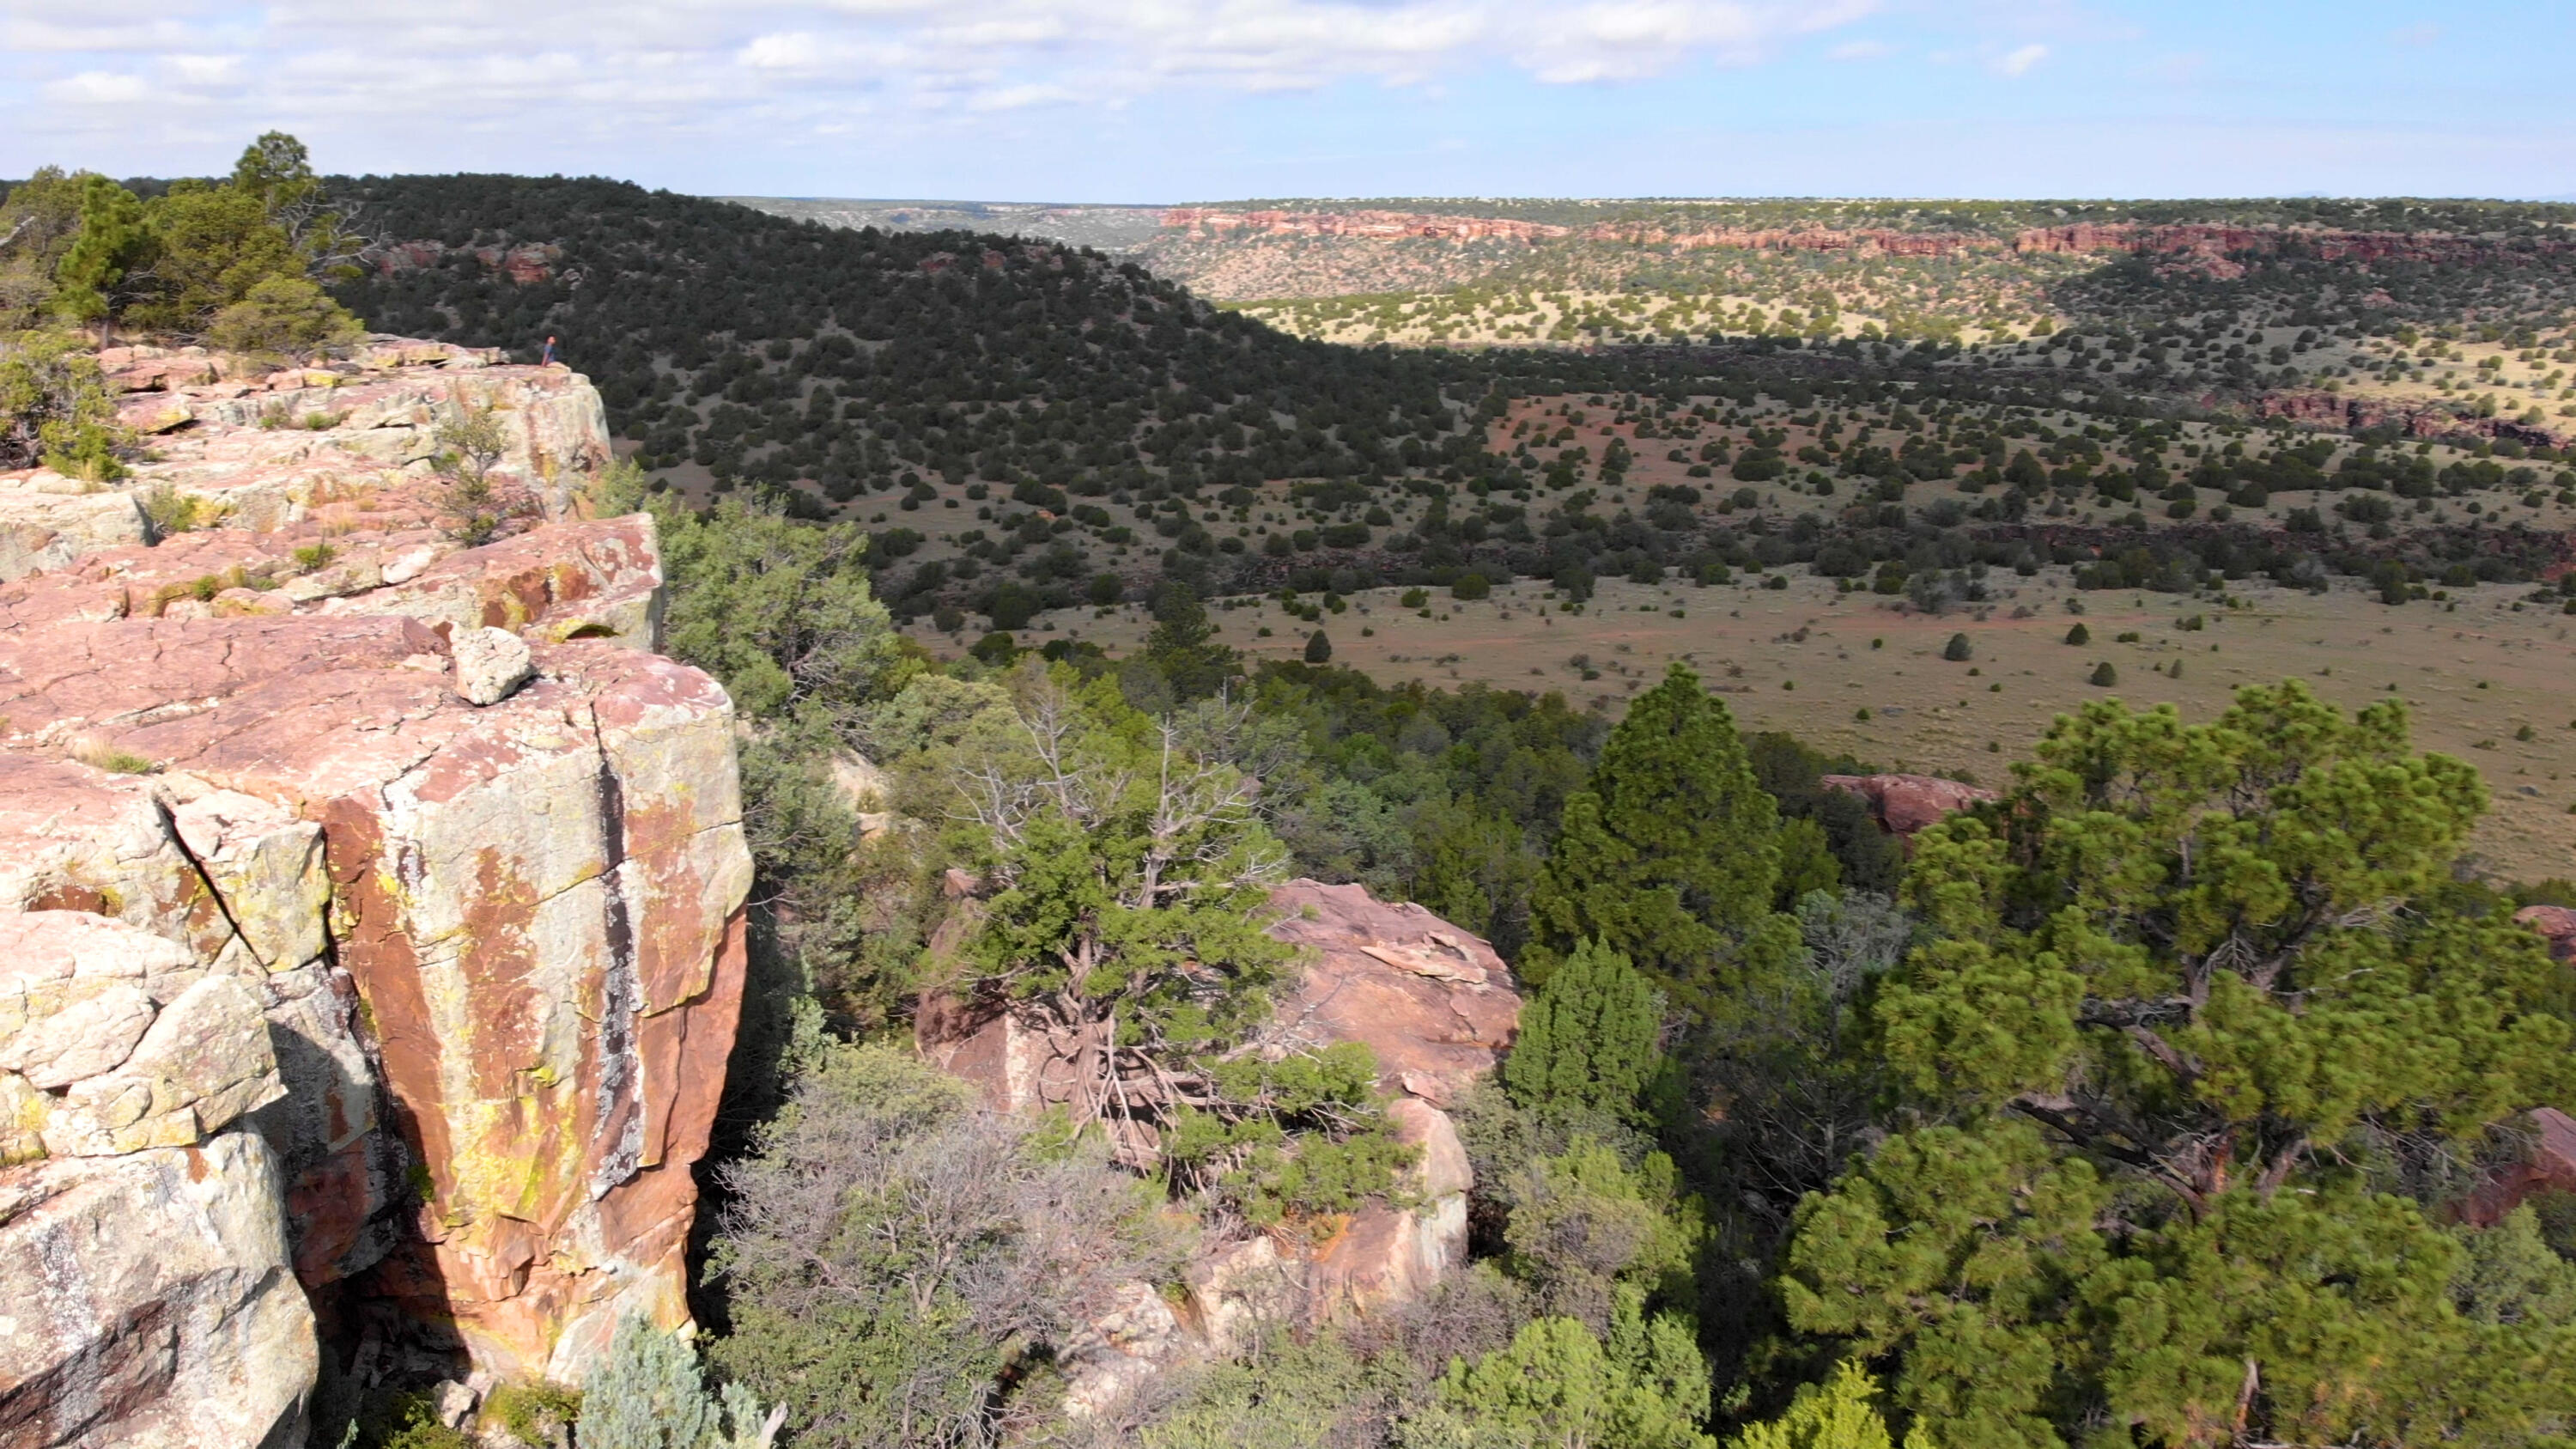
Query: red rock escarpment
{"x":2207,"y":244}
{"x":421,"y":886}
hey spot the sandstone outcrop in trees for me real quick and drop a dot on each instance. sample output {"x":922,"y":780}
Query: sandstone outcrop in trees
{"x":1904,"y":804}
{"x":1435,"y":1006}
{"x":372,"y":904}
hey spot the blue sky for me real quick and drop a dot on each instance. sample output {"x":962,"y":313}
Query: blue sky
{"x":1177,"y":100}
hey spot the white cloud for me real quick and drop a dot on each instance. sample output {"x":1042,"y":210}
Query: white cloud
{"x":1861,"y":50}
{"x":98,"y":88}
{"x":747,"y":66}
{"x":2020,"y":61}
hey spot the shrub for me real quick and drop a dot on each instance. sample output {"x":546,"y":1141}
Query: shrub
{"x":283,"y":314}
{"x":1319,"y":649}
{"x":1957,"y":649}
{"x":1415,"y":598}
{"x":897,"y":1259}
{"x":1471,"y":586}
{"x":55,"y":409}
{"x":169,"y":511}
{"x":2105,"y":675}
{"x":531,"y":1411}
{"x":2079,"y":634}
{"x":647,"y":1393}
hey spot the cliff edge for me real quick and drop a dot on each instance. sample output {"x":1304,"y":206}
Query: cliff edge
{"x":371,"y":906}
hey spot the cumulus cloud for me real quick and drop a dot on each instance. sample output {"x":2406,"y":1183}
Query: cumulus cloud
{"x":772,"y":67}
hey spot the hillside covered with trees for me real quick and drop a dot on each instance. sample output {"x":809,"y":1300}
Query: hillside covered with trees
{"x":2176,"y":1097}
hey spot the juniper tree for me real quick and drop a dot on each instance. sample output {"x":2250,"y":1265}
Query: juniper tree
{"x":1587,"y":1042}
{"x":1670,"y":854}
{"x":2218,"y":1042}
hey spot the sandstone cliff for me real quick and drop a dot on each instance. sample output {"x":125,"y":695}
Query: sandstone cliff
{"x":370,"y":907}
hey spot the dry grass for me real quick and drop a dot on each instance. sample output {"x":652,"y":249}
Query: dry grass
{"x":1802,"y":659}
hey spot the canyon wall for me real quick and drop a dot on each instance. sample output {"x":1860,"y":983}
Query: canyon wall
{"x":370,"y":905}
{"x":2207,"y":240}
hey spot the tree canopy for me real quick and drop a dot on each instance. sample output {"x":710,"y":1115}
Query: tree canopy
{"x":2212,"y":1041}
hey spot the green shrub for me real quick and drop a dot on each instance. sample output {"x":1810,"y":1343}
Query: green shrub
{"x":2105,"y":675}
{"x":282,"y":314}
{"x":1319,"y":649}
{"x":55,"y":409}
{"x":647,"y":1393}
{"x":1471,"y":587}
{"x":1957,"y":649}
{"x":531,"y":1410}
{"x":2079,"y":634}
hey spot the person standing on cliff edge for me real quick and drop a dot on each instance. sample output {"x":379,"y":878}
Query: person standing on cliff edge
{"x":549,"y":359}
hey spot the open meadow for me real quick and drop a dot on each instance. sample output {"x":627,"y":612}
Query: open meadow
{"x":2487,"y":675}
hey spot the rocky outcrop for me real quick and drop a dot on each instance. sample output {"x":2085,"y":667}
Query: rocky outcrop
{"x":342,"y":448}
{"x":2556,"y":924}
{"x":1436,"y":1007}
{"x":2418,"y":420}
{"x":370,"y":916}
{"x":2323,"y":243}
{"x":2546,"y":1164}
{"x":1904,"y":804}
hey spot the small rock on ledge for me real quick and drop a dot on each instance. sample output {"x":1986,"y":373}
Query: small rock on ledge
{"x":489,"y":664}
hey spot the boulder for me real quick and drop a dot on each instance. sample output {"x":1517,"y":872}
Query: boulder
{"x":1905,"y":804}
{"x":489,"y":664}
{"x":151,"y":1306}
{"x":1433,"y":1002}
{"x":2557,"y":924}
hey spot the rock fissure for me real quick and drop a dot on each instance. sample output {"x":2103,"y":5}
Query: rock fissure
{"x":206,"y":882}
{"x":437,"y":1089}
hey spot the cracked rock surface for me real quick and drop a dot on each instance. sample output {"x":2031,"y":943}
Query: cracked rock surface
{"x":371,"y":927}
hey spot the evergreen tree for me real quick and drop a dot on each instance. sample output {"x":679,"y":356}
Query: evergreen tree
{"x":1670,"y":855}
{"x":648,"y":1394}
{"x":1183,"y":647}
{"x":1587,"y":1042}
{"x":1836,"y":1415}
{"x":2214,"y":1027}
{"x":1642,"y":1385}
{"x":113,"y":242}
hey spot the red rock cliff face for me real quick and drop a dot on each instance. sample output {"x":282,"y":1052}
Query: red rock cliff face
{"x":2206,"y":245}
{"x":468,"y":854}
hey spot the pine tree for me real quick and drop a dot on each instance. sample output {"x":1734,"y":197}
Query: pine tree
{"x":1588,"y":1039}
{"x":1183,"y":645}
{"x":1835,"y":1415}
{"x":113,"y":240}
{"x":1670,"y":854}
{"x":1319,"y":649}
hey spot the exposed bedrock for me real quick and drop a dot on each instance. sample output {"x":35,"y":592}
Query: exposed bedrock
{"x":370,"y":927}
{"x":1434,"y":1004}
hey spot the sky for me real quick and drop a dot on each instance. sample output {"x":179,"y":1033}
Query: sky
{"x":1160,"y":101}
